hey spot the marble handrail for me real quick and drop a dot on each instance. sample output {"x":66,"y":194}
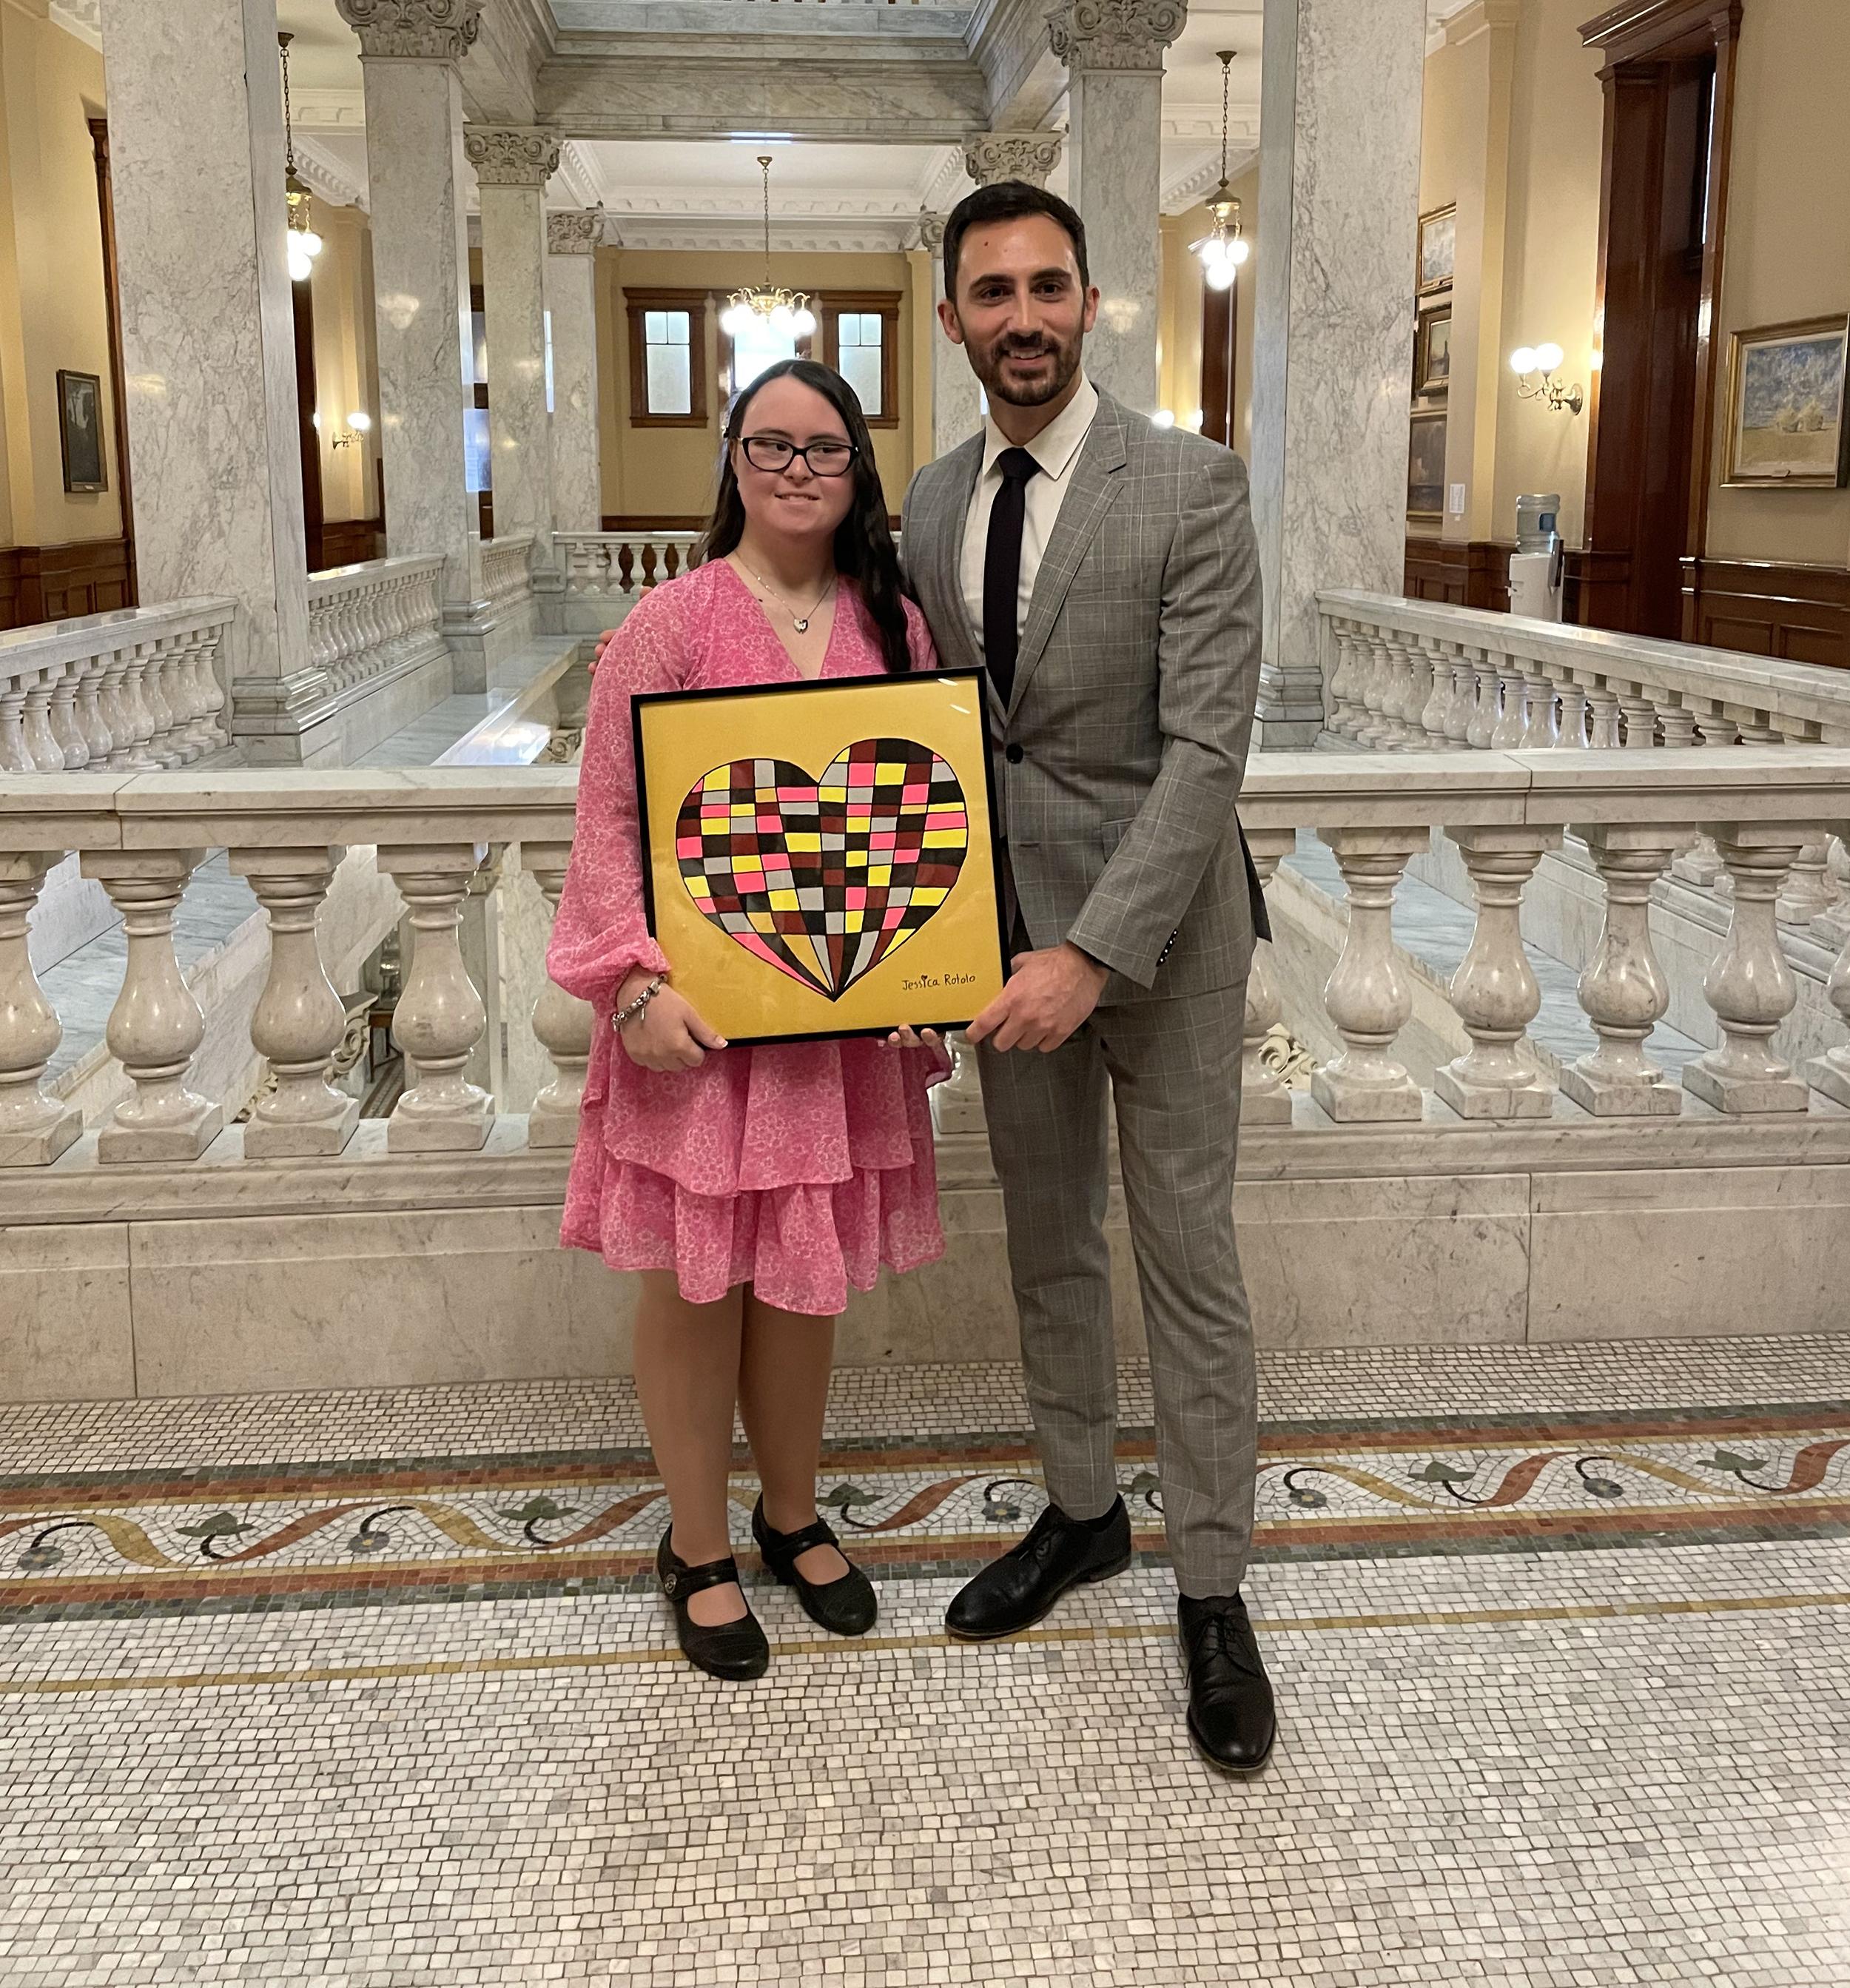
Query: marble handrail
{"x":141,"y":689}
{"x":141,"y":836}
{"x":365,"y":619}
{"x":621,"y":566}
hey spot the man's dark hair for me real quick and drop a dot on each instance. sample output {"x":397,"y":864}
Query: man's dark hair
{"x":1009,"y":200}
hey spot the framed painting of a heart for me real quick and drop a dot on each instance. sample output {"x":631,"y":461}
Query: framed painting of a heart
{"x":821,"y":859}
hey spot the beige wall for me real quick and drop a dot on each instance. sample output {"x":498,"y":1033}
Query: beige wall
{"x":346,"y":365}
{"x":1787,"y":247}
{"x":52,"y":305}
{"x":658,"y":472}
{"x":1788,"y":244}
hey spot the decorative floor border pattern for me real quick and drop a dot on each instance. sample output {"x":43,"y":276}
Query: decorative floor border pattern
{"x":246,"y":1538}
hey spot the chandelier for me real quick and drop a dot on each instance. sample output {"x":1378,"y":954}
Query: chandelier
{"x":783,"y":311}
{"x":1225,"y":248}
{"x":305,"y":244}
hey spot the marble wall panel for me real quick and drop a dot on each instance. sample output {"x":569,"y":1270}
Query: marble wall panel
{"x":1115,"y":147}
{"x":1693,"y":1253}
{"x":577,"y":494}
{"x":514,"y":260}
{"x":64,"y":1313}
{"x":1338,"y":207}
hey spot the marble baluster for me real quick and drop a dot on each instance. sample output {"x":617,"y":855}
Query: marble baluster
{"x":118,"y":718}
{"x":1809,"y":891}
{"x":1264,"y":1098}
{"x":1603,"y":733}
{"x":1400,"y":733}
{"x":1463,"y":705}
{"x":298,"y":1022}
{"x":208,"y":335}
{"x":1832,"y":927}
{"x":1368,"y":997}
{"x":1675,"y":726}
{"x":1507,"y":735}
{"x":135,"y":708}
{"x":1830,"y":1074}
{"x":41,"y":742}
{"x":572,"y":240}
{"x":562,"y":1021}
{"x":1338,"y":199}
{"x":33,"y":1128}
{"x":1372,"y":724}
{"x":1342,"y":678}
{"x":1573,"y":731}
{"x":1114,"y":57}
{"x":15,"y":755}
{"x":1700,"y":864}
{"x":1640,"y":716}
{"x":1433,"y":687}
{"x":1749,"y":984}
{"x":1484,"y":714}
{"x":153,"y":686}
{"x":1494,"y":992}
{"x":92,"y":720}
{"x":1623,"y":989}
{"x":1538,"y":733}
{"x":156,"y":1026}
{"x":440,"y":1016}
{"x":512,"y":166}
{"x":67,"y":726}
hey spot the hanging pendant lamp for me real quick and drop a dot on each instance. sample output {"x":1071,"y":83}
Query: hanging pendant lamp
{"x":1225,"y":247}
{"x":783,"y":309}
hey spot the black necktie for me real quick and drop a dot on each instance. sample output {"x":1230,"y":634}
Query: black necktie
{"x":1002,"y":570}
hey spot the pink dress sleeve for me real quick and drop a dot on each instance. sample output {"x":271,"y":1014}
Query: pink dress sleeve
{"x":601,"y":935}
{"x":918,"y":639}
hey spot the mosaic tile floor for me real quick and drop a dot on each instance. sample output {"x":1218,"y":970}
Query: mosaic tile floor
{"x":367,"y":1688}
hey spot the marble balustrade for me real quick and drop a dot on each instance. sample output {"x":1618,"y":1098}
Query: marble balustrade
{"x":368,"y":620}
{"x":506,"y":565}
{"x":138,"y":690}
{"x":620,"y":565}
{"x":142,"y":835}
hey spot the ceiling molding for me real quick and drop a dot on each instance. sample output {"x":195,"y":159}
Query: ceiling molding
{"x":81,"y":17}
{"x":328,"y":109}
{"x":1185,"y":189}
{"x":732,"y":237}
{"x":945,"y":182}
{"x":578,"y":177}
{"x":325,"y":174}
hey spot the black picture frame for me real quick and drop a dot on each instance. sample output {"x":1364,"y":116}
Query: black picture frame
{"x":80,"y":439}
{"x":832,"y":686}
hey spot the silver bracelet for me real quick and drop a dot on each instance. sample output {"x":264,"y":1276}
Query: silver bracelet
{"x":624,"y":1016}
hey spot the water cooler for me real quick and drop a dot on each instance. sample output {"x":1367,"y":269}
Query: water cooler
{"x":1536,"y":565}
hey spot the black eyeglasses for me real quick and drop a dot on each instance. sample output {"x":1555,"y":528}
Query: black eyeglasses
{"x":821,"y":458}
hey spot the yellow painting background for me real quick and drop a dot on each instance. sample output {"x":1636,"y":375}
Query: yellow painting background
{"x":947,"y":971}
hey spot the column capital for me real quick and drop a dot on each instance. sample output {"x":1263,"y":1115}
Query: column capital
{"x":578,"y":232}
{"x":931,"y":232}
{"x":415,"y":30}
{"x":991,"y":156}
{"x":1115,"y":34}
{"x":515,"y":155}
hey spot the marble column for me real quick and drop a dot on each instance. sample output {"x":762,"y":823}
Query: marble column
{"x":572,"y":243}
{"x":1338,"y":205}
{"x":410,"y":54}
{"x":956,"y":401}
{"x":195,"y":104}
{"x":1113,"y":53}
{"x":512,"y":167}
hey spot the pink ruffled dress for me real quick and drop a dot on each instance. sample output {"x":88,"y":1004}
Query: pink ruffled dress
{"x":799,"y":1167}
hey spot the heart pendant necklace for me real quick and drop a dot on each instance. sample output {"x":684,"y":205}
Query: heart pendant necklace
{"x":799,"y":622}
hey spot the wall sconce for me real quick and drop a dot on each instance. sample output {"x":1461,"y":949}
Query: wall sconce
{"x":358,"y":423}
{"x":1543,"y":361}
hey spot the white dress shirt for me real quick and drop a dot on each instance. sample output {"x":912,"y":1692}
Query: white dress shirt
{"x":1055,"y":448}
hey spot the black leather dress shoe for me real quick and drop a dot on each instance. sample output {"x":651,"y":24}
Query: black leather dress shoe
{"x":1230,"y":1698}
{"x":736,"y":1650}
{"x":845,"y":1606}
{"x":1014,"y":1592}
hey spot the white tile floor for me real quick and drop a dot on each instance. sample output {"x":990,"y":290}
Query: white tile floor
{"x":1629,"y":1765}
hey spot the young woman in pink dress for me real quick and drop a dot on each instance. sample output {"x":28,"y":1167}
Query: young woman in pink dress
{"x":750,"y":1187}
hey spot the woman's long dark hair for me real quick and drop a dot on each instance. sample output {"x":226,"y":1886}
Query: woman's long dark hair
{"x":864,"y":550}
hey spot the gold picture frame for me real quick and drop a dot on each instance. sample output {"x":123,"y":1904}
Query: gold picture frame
{"x":1788,"y":418}
{"x":1438,"y":250}
{"x":821,"y":860}
{"x":1425,"y":467}
{"x":1433,"y":353}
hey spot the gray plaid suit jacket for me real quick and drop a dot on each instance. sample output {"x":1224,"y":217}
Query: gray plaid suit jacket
{"x":1119,"y":756}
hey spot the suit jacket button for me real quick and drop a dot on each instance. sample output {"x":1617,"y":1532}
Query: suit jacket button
{"x":1013,"y":754}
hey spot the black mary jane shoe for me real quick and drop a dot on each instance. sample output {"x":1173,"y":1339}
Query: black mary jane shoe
{"x":1013,"y":1594}
{"x":845,"y":1606}
{"x":1231,"y":1717}
{"x":737,"y":1651}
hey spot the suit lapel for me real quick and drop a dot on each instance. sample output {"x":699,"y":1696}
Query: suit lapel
{"x":940,"y":557}
{"x":1096,"y":480}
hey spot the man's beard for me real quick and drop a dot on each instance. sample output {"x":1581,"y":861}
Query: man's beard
{"x":1060,"y":376}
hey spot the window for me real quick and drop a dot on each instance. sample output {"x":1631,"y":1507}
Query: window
{"x":667,"y":358}
{"x":860,"y":340}
{"x":756,"y":347}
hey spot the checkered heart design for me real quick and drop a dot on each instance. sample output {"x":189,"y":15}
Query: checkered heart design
{"x":824,"y":879}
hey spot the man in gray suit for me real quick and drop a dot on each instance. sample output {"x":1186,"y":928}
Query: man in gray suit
{"x":1103,"y":572}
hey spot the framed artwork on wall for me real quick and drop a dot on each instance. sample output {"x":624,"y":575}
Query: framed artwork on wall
{"x":1425,"y":467}
{"x":821,"y":859}
{"x":1432,"y":352}
{"x":1786,"y":428}
{"x":1438,"y":249}
{"x":80,"y":431}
